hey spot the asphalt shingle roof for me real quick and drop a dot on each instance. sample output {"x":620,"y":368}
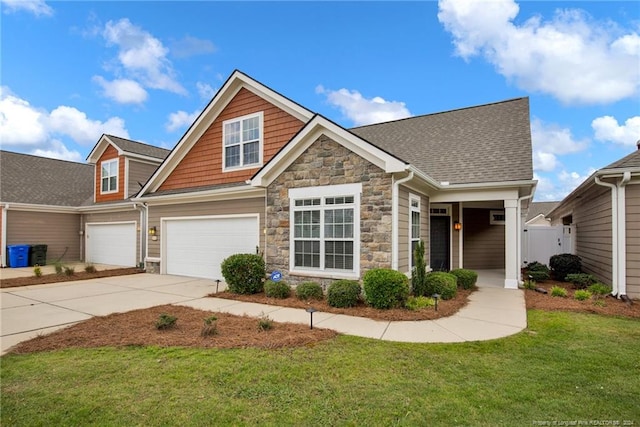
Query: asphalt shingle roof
{"x":39,"y":180}
{"x":537,"y":208}
{"x":630,"y":161}
{"x":139,"y":147}
{"x":487,"y":143}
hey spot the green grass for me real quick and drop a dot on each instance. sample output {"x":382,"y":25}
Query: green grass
{"x":566,"y":367}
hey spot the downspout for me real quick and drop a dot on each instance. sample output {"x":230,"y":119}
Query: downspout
{"x":520,"y":231}
{"x":144,"y":213}
{"x":622,"y":234}
{"x":614,"y":233}
{"x":395,"y":223}
{"x":3,"y":238}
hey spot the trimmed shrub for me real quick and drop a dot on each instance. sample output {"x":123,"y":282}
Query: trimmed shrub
{"x":419,"y":269}
{"x":444,"y":284}
{"x":599,"y":289}
{"x":385,"y":288}
{"x":581,"y":280}
{"x":277,"y":289}
{"x":558,"y":291}
{"x":564,"y":264}
{"x":417,"y":303}
{"x":466,"y":278}
{"x":309,"y":290}
{"x":343,"y":293}
{"x":244,"y":273}
{"x":582,"y":295}
{"x":537,"y":271}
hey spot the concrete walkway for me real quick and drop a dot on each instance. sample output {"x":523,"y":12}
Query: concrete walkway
{"x":27,"y":312}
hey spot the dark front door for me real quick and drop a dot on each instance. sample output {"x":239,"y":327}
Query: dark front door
{"x":440,"y":243}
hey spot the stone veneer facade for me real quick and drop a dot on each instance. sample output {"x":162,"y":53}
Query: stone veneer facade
{"x":326,"y":162}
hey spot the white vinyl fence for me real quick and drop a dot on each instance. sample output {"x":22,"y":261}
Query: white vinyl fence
{"x":541,"y":242}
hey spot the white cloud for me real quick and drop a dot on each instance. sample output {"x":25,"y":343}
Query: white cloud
{"x":180,"y":119}
{"x":363,"y":111}
{"x":550,"y":141}
{"x":558,"y":186}
{"x":142,"y":56}
{"x":570,"y":57}
{"x":191,"y":46}
{"x":57,"y":150}
{"x":205,"y":90}
{"x":607,"y":129}
{"x":37,"y":7}
{"x":123,"y":91}
{"x":24,"y":126}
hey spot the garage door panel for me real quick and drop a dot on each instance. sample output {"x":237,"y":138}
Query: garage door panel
{"x":197,"y":247}
{"x":113,"y":244}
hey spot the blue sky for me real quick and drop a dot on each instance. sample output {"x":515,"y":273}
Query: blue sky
{"x":143,"y":70}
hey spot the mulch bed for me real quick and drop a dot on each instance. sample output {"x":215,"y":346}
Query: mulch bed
{"x":57,"y":278}
{"x":137,"y":328}
{"x":445,"y":308}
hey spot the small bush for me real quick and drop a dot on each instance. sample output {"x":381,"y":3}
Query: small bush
{"x":37,"y":271}
{"x":418,"y":303}
{"x":582,"y":294}
{"x":581,"y":280}
{"x":264,"y":323}
{"x":538,"y":272}
{"x":244,"y":273}
{"x":277,"y":289}
{"x":90,"y":268}
{"x":530,"y":284}
{"x":385,"y":288}
{"x":210,"y":326}
{"x":309,"y":290}
{"x":466,"y":278}
{"x":166,"y":321}
{"x":537,"y":266}
{"x":69,"y":271}
{"x":343,"y":293}
{"x":565,"y":264}
{"x":599,"y":303}
{"x":558,"y":291}
{"x":599,"y":289}
{"x":444,"y":284}
{"x":58,"y":266}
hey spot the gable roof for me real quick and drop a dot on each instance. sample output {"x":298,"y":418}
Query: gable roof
{"x":630,"y":161}
{"x":42,"y":181}
{"x":486,"y":143}
{"x":540,"y":208}
{"x":127,"y":147}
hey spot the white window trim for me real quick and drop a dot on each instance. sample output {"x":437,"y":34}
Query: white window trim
{"x":418,"y":209}
{"x":260,"y":116}
{"x":354,"y":190}
{"x":117,"y":162}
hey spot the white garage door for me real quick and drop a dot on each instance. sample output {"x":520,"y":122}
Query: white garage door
{"x":113,"y":244}
{"x":196,"y":247}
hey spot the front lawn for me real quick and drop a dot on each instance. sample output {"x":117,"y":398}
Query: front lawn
{"x":566,"y":367}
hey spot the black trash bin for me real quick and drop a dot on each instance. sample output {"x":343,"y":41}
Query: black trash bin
{"x":38,"y":255}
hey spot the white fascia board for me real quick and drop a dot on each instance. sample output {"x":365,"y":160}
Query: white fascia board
{"x":142,"y":157}
{"x":317,"y":127}
{"x":475,"y":195}
{"x":233,"y":193}
{"x":97,"y":151}
{"x":39,"y":208}
{"x":107,"y":208}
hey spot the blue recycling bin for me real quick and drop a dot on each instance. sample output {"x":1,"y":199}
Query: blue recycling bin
{"x":18,"y":255}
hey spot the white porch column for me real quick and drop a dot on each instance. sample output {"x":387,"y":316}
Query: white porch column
{"x":511,"y":268}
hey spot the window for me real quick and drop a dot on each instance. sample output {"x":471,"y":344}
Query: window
{"x":325,"y":234}
{"x":109,"y":176}
{"x":414,"y":226}
{"x":242,"y":142}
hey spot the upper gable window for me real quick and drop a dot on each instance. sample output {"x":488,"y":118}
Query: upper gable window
{"x":109,"y":176}
{"x":242,"y":142}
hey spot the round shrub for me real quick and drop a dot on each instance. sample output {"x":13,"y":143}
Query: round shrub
{"x":309,"y":290}
{"x":581,"y":280}
{"x":582,"y":295}
{"x":564,"y":264}
{"x":343,"y":293}
{"x":244,"y":273}
{"x":385,"y":288}
{"x":538,"y":272}
{"x":277,"y":289}
{"x":466,"y":278}
{"x":441,"y":283}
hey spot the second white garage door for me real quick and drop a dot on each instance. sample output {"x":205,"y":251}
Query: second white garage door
{"x":113,"y":244}
{"x":197,"y":246}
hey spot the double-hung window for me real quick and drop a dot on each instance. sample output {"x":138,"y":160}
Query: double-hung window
{"x":109,"y":176}
{"x":414,"y":226}
{"x":242,"y":142}
{"x":325,"y":230}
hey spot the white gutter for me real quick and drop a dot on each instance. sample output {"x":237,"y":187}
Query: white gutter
{"x":614,"y":233}
{"x":3,"y":238}
{"x":144,"y":213}
{"x":622,"y":234}
{"x":520,"y":229}
{"x":395,"y":196}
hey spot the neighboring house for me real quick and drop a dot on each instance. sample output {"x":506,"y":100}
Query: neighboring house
{"x":538,"y":213}
{"x":257,"y":172}
{"x":605,"y":210}
{"x":80,"y":211}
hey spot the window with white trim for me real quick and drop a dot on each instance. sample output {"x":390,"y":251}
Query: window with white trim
{"x":109,"y":176}
{"x":242,"y":139}
{"x":325,"y":229}
{"x":414,"y":225}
